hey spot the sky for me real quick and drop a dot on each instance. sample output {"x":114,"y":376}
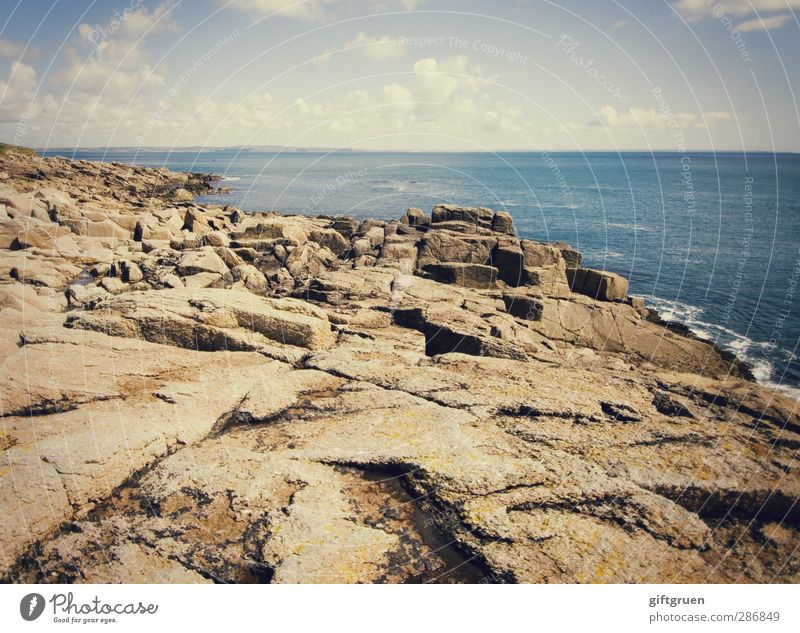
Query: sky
{"x":416,"y":75}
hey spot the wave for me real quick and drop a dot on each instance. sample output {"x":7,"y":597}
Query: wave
{"x":639,"y":228}
{"x":761,"y":357}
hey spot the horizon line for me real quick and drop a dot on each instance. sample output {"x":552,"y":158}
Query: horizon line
{"x":278,"y":149}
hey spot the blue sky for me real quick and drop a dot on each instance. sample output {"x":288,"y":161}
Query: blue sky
{"x":402,"y":74}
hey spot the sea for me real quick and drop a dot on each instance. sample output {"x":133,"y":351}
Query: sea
{"x":711,"y":240}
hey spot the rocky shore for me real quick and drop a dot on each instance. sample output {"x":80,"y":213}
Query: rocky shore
{"x":191,"y":393}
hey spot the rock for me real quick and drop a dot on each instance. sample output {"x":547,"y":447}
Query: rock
{"x":416,"y":217}
{"x":538,"y":254}
{"x":509,"y":261}
{"x":182,"y":195}
{"x":502,"y":223}
{"x":598,"y":284}
{"x":43,"y":237}
{"x":570,"y":255}
{"x":112,"y":284}
{"x":216,"y":238}
{"x":345,"y":226}
{"x":330,"y":239}
{"x":196,"y":222}
{"x":461,"y":274}
{"x":203,"y":280}
{"x":437,"y":247}
{"x":309,"y":260}
{"x":204,"y":318}
{"x":638,"y":304}
{"x":201,"y":260}
{"x":99,"y":228}
{"x":226,"y":433}
{"x":252,"y":278}
{"x":551,"y":279}
{"x":131,"y":273}
{"x":473,"y":215}
{"x":523,"y":306}
{"x":375,"y":235}
{"x":23,"y":205}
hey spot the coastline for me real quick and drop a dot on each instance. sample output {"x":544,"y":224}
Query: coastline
{"x":214,"y":395}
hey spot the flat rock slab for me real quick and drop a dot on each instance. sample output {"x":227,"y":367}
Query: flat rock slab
{"x":463,"y":274}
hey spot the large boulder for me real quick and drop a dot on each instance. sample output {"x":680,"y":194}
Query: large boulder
{"x":474,"y":215}
{"x":201,"y":260}
{"x":251,"y":277}
{"x":550,"y":279}
{"x":415,"y":217}
{"x":309,"y":260}
{"x":540,"y":254}
{"x":331,"y":239}
{"x":502,"y":223}
{"x":598,"y":284}
{"x":438,"y":246}
{"x":509,"y":261}
{"x":571,"y":256}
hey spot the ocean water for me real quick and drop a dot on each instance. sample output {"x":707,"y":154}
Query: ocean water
{"x":710,"y":240}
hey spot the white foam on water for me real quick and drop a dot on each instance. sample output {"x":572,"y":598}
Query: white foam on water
{"x":746,"y":349}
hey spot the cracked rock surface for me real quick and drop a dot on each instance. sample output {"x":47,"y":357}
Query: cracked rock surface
{"x":195,"y":394}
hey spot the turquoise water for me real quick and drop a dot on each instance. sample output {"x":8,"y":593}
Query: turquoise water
{"x":712,"y":240}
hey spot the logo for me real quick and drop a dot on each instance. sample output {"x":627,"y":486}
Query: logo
{"x":31,"y":606}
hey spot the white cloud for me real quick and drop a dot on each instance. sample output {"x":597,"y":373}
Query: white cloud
{"x":309,"y":10}
{"x":306,"y":10}
{"x":12,"y":50}
{"x":698,"y":9}
{"x":617,"y":25}
{"x":652,"y":119}
{"x":379,"y":47}
{"x":764,"y":24}
{"x":110,"y":59}
{"x":442,"y":80}
{"x":16,"y":92}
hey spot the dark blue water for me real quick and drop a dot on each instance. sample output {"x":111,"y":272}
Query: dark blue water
{"x":712,"y":240}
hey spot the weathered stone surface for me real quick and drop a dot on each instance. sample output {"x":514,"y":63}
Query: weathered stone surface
{"x":502,"y":223}
{"x":598,"y":284}
{"x":416,"y":217}
{"x":466,"y":275}
{"x":251,"y":277}
{"x":207,"y":319}
{"x":472,"y":215}
{"x":437,"y":247}
{"x":201,"y":260}
{"x":331,"y":239}
{"x":509,"y":261}
{"x":378,"y":426}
